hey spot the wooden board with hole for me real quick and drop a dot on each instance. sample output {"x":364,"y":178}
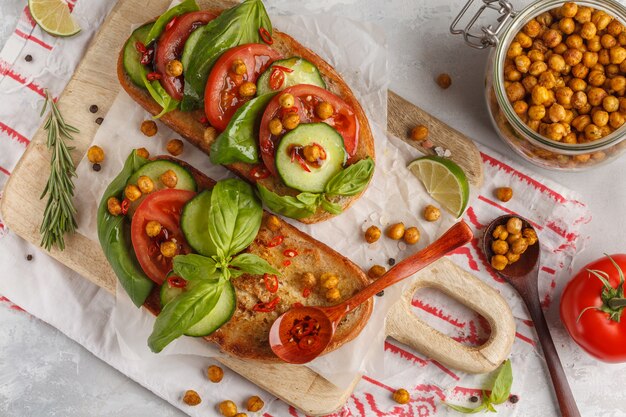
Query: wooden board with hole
{"x":22,"y":210}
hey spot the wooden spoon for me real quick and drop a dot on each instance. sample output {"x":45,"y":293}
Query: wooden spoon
{"x":523,"y":276}
{"x":302,"y":333}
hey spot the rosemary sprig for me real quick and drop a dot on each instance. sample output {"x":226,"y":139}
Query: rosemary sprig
{"x":58,"y":217}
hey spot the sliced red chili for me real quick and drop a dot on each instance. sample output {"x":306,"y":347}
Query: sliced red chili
{"x":259,"y":172}
{"x":290,"y":253}
{"x":176,"y":282}
{"x":276,"y":240}
{"x":286,"y":110}
{"x":265,"y":35}
{"x":147,"y":56}
{"x":277,"y":79}
{"x":306,"y":292}
{"x":307,"y":342}
{"x":286,"y":262}
{"x":283,"y":69}
{"x":170,"y":23}
{"x":266,"y":307}
{"x":301,"y":161}
{"x":153,"y":76}
{"x":125,"y":206}
{"x":271,"y":282}
{"x":140,"y":47}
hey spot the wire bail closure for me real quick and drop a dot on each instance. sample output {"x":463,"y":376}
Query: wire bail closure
{"x":489,"y":35}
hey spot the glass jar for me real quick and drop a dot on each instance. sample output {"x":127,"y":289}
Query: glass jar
{"x":532,"y":146}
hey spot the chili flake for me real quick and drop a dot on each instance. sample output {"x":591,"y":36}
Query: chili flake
{"x":290,"y":253}
{"x":153,"y":76}
{"x":125,"y":206}
{"x":259,"y":172}
{"x":286,"y":262}
{"x":176,"y":282}
{"x":306,"y":292}
{"x":277,"y":240}
{"x":267,"y":307}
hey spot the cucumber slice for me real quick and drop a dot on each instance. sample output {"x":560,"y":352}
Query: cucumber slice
{"x":290,"y":167}
{"x":221,"y":313}
{"x":132,"y":58}
{"x":155,"y":169}
{"x":303,"y":73}
{"x":194,"y":221}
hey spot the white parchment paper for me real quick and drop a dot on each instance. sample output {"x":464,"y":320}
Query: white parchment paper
{"x":358,"y":52}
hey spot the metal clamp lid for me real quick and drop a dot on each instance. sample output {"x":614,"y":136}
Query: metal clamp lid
{"x":489,"y":35}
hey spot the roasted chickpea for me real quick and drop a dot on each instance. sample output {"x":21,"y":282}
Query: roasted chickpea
{"x":607,"y":41}
{"x":401,"y":396}
{"x":175,"y":147}
{"x":514,"y":225}
{"x":500,"y":232}
{"x":372,"y":234}
{"x":522,"y":63}
{"x":149,"y":127}
{"x":145,"y":184}
{"x":254,"y":404}
{"x":580,"y":123}
{"x":286,"y":100}
{"x":444,"y":81}
{"x":547,"y":80}
{"x":324,"y":110}
{"x":600,"y":118}
{"x":169,"y":178}
{"x":328,"y":280}
{"x":376,"y":271}
{"x":582,"y":158}
{"x":504,"y":194}
{"x":512,"y":74}
{"x":588,"y":30}
{"x":333,"y":295}
{"x":596,"y":78}
{"x":169,"y":249}
{"x":556,"y":131}
{"x":114,"y":206}
{"x":545,"y":19}
{"x":616,"y":120}
{"x":530,"y":235}
{"x":499,"y":262}
{"x":174,"y":68}
{"x":556,"y":113}
{"x":419,"y":132}
{"x":411,"y":236}
{"x":132,"y":192}
{"x":569,"y":9}
{"x":95,"y":154}
{"x":567,"y":25}
{"x":272,"y":223}
{"x":395,"y":231}
{"x":524,"y":40}
{"x":537,"y":68}
{"x":192,"y":398}
{"x":592,"y":132}
{"x":512,"y":238}
{"x":569,"y":138}
{"x":532,"y":29}
{"x":611,"y":71}
{"x":540,"y":95}
{"x":601,"y":19}
{"x":313,"y":153}
{"x":143,"y":152}
{"x":575,"y":41}
{"x":564,"y":96}
{"x":499,"y":247}
{"x":595,"y":95}
{"x":215,"y":373}
{"x":275,"y":126}
{"x":583,"y":14}
{"x":579,"y":100}
{"x":515,"y":91}
{"x":247,"y":89}
{"x":622,"y":104}
{"x":512,"y":257}
{"x":536,"y":55}
{"x":228,"y":408}
{"x":519,"y":246}
{"x":572,"y":57}
{"x":529,"y":82}
{"x":552,"y":38}
{"x":308,"y":280}
{"x":520,"y":107}
{"x":615,"y":28}
{"x":536,"y":112}
{"x":431,"y":213}
{"x":617,"y":54}
{"x":239,"y":67}
{"x":579,"y":71}
{"x":291,"y":121}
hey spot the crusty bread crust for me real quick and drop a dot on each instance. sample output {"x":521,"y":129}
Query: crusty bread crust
{"x":188,"y":124}
{"x":246,"y":335}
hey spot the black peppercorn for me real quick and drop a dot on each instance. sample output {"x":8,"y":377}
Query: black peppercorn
{"x":29,"y":257}
{"x":391,"y":262}
{"x":28,"y":58}
{"x":99,"y":120}
{"x":93,"y":108}
{"x":474,"y":399}
{"x":380,"y":294}
{"x":513,"y":399}
{"x":96,"y":167}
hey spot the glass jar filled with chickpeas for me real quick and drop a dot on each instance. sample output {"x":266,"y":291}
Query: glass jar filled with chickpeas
{"x":556,"y":80}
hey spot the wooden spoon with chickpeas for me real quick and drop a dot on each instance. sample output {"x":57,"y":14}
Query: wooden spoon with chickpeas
{"x":511,"y":245}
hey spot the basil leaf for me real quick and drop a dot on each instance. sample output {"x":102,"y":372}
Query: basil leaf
{"x":234,"y":217}
{"x":158,"y":93}
{"x":237,"y":142}
{"x":287,"y":205}
{"x":352,"y":180}
{"x":194,"y":267}
{"x":236,"y":26}
{"x":502,"y":385}
{"x":252,"y":264}
{"x":331,"y":207}
{"x":467,"y":410}
{"x":159,"y":26}
{"x":114,"y":237}
{"x":183,"y":312}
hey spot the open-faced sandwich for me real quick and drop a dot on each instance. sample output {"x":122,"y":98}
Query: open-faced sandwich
{"x":210,"y":262}
{"x":257,"y":101}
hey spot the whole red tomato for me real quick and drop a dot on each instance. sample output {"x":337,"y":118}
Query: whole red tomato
{"x":591,"y":307}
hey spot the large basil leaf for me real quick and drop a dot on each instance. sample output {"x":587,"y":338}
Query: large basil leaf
{"x":185,"y":7}
{"x":236,"y":26}
{"x":234,"y":217}
{"x":194,"y":267}
{"x":237,"y":142}
{"x":329,"y":206}
{"x":502,"y":384}
{"x":113,"y":233}
{"x":159,"y":95}
{"x":352,"y":180}
{"x":249,"y":263}
{"x":183,"y":312}
{"x":287,"y":205}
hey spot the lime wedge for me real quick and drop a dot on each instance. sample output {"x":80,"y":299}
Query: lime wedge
{"x":444,"y":180}
{"x":54,"y":17}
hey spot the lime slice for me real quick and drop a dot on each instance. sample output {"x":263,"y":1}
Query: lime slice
{"x":444,"y":180}
{"x":54,"y":17}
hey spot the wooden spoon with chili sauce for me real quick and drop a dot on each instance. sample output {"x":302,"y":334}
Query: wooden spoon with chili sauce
{"x":523,"y":276}
{"x":302,"y":333}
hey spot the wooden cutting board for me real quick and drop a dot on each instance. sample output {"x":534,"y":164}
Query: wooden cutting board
{"x":95,"y":81}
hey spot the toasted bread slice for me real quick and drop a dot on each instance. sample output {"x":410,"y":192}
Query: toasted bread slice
{"x":188,"y":124}
{"x":246,"y":334}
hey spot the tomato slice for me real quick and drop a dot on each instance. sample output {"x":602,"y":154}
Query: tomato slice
{"x":170,"y":46}
{"x":164,"y":206}
{"x":221,"y":96}
{"x":306,"y":96}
